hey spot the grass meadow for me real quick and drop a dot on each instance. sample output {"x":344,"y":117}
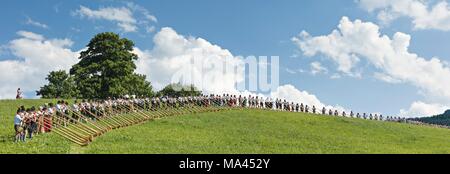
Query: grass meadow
{"x":246,"y":131}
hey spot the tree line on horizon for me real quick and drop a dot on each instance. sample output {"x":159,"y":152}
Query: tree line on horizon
{"x":442,"y":119}
{"x":106,"y":69}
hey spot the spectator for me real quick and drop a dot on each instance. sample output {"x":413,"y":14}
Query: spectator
{"x":18,"y":126}
{"x":19,"y":94}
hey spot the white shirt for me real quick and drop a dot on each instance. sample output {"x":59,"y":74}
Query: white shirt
{"x":75,"y":107}
{"x":59,"y":107}
{"x":17,"y":120}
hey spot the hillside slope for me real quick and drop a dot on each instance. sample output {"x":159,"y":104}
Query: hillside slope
{"x":256,"y":131}
{"x":48,"y":143}
{"x":242,"y":131}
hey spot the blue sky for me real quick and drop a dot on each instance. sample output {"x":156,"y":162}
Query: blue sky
{"x":260,"y":28}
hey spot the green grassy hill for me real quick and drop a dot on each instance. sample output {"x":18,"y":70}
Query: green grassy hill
{"x":242,"y":131}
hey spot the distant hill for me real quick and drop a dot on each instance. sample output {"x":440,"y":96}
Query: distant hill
{"x":443,"y":119}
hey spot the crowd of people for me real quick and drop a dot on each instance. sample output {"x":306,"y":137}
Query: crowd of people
{"x":32,"y":121}
{"x":42,"y":119}
{"x":283,"y":105}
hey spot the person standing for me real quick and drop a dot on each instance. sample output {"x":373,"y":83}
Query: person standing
{"x":30,"y":123}
{"x":18,"y":126}
{"x":48,"y":117}
{"x":18,"y":94}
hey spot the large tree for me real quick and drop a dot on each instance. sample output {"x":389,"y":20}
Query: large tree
{"x":106,"y":69}
{"x":60,"y":85}
{"x":179,"y":90}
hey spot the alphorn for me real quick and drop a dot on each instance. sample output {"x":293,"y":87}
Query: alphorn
{"x":73,"y":133}
{"x":108,"y":124}
{"x":64,"y":134}
{"x":100,"y":129}
{"x":88,"y":130}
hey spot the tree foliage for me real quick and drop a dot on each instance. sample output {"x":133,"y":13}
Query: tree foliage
{"x":179,"y":90}
{"x":106,"y":69}
{"x":443,"y":119}
{"x":61,"y":85}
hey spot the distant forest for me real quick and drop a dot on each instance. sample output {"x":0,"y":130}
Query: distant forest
{"x":443,"y":119}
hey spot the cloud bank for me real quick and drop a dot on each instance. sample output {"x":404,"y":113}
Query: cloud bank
{"x":356,"y":40}
{"x":37,"y":56}
{"x":173,"y":52}
{"x":423,"y":13}
{"x":125,"y":17}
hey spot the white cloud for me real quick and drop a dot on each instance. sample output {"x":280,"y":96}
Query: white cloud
{"x":126,"y":18}
{"x":423,"y":13}
{"x":335,"y":76}
{"x":150,"y":29}
{"x":75,"y":29}
{"x":386,"y":78}
{"x":123,"y":16}
{"x":173,"y":54}
{"x":37,"y":56}
{"x":291,"y":71}
{"x":30,"y":35}
{"x":127,"y":27}
{"x":317,"y":68}
{"x":421,"y":109}
{"x":292,"y":94}
{"x":390,"y":56}
{"x":56,"y":8}
{"x":146,"y":14}
{"x":35,"y":23}
{"x":295,"y":55}
{"x":328,"y":45}
{"x":3,"y":50}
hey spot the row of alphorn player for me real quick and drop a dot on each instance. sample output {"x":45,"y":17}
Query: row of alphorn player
{"x":45,"y":118}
